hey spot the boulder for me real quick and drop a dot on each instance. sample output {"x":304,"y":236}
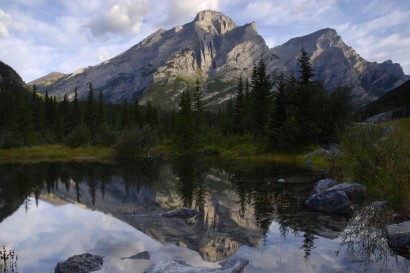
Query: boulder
{"x":378,"y":205}
{"x":398,"y":235}
{"x":335,"y":202}
{"x":140,"y":256}
{"x":323,"y":185}
{"x":80,"y":264}
{"x":354,"y":191}
{"x":184,"y":213}
{"x":228,"y":266}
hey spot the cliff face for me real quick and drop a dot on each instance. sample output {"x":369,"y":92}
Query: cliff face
{"x":211,"y":48}
{"x":337,"y":64}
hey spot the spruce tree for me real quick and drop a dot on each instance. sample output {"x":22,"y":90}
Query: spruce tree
{"x":185,"y":123}
{"x":239,"y":108}
{"x":306,"y":70}
{"x":90,"y":110}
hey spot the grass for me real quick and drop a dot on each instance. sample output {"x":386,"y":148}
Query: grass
{"x":54,"y":153}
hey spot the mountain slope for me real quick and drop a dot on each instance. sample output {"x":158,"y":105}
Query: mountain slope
{"x":211,"y":48}
{"x":9,"y":78}
{"x":397,"y":99}
{"x":47,"y":79}
{"x":337,"y":64}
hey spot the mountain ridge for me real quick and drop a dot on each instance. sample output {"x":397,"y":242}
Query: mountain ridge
{"x":216,"y":51}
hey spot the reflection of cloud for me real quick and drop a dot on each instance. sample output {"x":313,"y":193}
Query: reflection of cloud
{"x":48,"y":234}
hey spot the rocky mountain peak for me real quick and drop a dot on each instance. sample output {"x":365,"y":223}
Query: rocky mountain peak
{"x":214,"y":22}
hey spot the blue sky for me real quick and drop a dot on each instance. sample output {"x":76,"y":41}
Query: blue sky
{"x":41,"y":36}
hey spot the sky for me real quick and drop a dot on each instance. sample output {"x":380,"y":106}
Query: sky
{"x":41,"y":36}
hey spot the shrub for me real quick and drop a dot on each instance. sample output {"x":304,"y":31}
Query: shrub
{"x":79,"y":137}
{"x":378,"y":158}
{"x":104,"y":136}
{"x":132,"y":142}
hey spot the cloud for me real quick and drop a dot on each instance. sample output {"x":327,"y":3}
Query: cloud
{"x":5,"y":21}
{"x":119,"y":17}
{"x":180,"y":11}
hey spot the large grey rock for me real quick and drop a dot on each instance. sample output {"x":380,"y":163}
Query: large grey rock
{"x":337,"y":64}
{"x":183,"y":213}
{"x":354,"y":191}
{"x":83,"y":263}
{"x":228,"y":266}
{"x":323,"y":185}
{"x":398,"y":235}
{"x":335,"y":202}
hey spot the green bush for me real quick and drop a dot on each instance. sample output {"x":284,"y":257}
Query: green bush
{"x":132,"y":142}
{"x":81,"y":136}
{"x":375,"y":156}
{"x":104,"y":136}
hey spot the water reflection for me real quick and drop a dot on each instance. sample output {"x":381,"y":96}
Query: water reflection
{"x":238,"y":206}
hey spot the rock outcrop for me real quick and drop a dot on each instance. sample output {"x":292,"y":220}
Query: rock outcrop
{"x":330,"y":202}
{"x":337,"y":64}
{"x":80,"y":264}
{"x":228,"y":266}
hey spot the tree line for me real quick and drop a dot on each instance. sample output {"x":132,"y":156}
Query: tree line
{"x":278,"y":112}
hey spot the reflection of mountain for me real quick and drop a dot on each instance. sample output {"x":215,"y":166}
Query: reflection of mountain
{"x":237,"y":204}
{"x":216,"y":233}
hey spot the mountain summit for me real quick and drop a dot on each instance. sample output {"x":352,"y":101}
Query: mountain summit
{"x":337,"y":64}
{"x":211,"y":49}
{"x":215,"y":51}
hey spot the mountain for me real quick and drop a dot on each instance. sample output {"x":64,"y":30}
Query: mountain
{"x":47,"y":79}
{"x":9,"y":78}
{"x":337,"y":64}
{"x":212,"y":49}
{"x":396,"y":102}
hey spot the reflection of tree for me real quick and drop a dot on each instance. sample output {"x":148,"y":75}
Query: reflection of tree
{"x":363,"y":239}
{"x":308,"y":243}
{"x":191,"y":174}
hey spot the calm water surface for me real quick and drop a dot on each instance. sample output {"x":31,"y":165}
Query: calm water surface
{"x":51,"y":211}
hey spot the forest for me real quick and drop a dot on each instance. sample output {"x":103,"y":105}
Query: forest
{"x":269,"y":113}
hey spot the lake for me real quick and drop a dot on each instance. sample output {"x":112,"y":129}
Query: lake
{"x":51,"y":211}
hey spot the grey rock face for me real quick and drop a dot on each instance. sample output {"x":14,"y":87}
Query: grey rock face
{"x":323,"y":185}
{"x":330,"y":202}
{"x":183,"y":213}
{"x":354,"y":191}
{"x":398,"y":235}
{"x":210,"y":48}
{"x":80,"y":264}
{"x":337,"y":64}
{"x":228,"y":266}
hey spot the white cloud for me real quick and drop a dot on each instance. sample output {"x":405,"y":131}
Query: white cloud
{"x":5,"y":21}
{"x":181,"y":11}
{"x":119,"y":17}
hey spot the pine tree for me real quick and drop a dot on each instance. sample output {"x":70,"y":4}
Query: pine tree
{"x":101,"y":109}
{"x":90,"y":110}
{"x":76,"y":115}
{"x":185,"y":123}
{"x":239,"y":108}
{"x":306,"y":70}
{"x":197,"y":107}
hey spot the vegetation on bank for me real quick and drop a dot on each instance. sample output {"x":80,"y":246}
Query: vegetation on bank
{"x":378,"y":156}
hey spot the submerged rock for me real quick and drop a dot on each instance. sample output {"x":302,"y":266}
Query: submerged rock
{"x":228,"y":266}
{"x":80,"y":264}
{"x":335,"y":202}
{"x":323,"y":185}
{"x":353,"y":190}
{"x":183,"y":213}
{"x":398,"y":236}
{"x":140,"y":256}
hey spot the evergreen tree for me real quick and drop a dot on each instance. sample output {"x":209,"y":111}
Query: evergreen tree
{"x":90,"y":110}
{"x":261,"y":98}
{"x":185,"y":123}
{"x":239,"y":108}
{"x":101,"y":109}
{"x":306,"y":70}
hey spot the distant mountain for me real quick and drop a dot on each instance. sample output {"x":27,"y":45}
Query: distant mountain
{"x":337,"y":64}
{"x":211,"y":48}
{"x":397,"y":100}
{"x":47,"y":79}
